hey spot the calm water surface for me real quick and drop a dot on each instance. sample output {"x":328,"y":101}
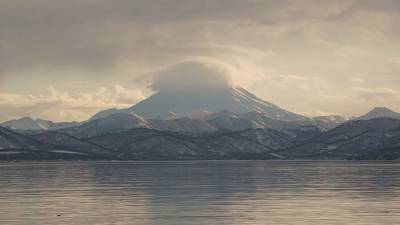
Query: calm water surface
{"x":202,"y":192}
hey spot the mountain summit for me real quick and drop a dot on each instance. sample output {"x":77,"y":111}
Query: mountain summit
{"x":380,"y":112}
{"x":187,"y":88}
{"x":184,"y":102}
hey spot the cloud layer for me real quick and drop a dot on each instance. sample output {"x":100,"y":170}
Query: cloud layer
{"x":300,"y":54}
{"x":63,"y":106}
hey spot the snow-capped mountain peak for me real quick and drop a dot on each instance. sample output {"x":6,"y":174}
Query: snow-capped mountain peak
{"x":182,"y":103}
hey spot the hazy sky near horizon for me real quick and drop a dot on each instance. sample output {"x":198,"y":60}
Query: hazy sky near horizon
{"x":67,"y":59}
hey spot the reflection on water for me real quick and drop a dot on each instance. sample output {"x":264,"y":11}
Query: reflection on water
{"x":202,"y":192}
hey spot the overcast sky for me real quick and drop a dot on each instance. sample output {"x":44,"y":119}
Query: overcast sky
{"x":67,"y":59}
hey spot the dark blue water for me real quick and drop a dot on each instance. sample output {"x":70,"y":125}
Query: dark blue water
{"x":202,"y":192}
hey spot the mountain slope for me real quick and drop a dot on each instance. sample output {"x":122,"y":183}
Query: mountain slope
{"x":144,"y":143}
{"x":329,"y":122}
{"x":70,"y":143}
{"x":110,"y":124}
{"x":50,"y":145}
{"x":15,"y":146}
{"x":380,"y":112}
{"x":350,"y":140}
{"x":10,"y":140}
{"x":182,"y":102}
{"x":184,"y":124}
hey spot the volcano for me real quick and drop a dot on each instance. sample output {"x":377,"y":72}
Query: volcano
{"x":180,"y":103}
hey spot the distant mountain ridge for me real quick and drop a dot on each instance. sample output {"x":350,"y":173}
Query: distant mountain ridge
{"x":362,"y":139}
{"x":27,"y":123}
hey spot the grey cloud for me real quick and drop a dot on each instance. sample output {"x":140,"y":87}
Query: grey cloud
{"x":191,"y":75}
{"x":97,"y":40}
{"x":379,"y":94}
{"x":386,"y":6}
{"x":154,"y":11}
{"x":97,"y":35}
